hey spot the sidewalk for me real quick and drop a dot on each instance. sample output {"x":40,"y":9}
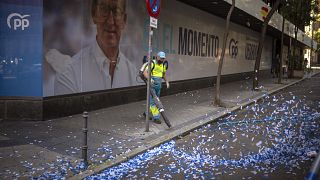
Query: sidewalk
{"x":53,"y":148}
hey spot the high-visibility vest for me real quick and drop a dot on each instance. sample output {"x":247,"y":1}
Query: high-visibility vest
{"x":158,"y":69}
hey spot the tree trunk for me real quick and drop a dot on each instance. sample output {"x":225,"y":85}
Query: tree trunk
{"x":260,"y":47}
{"x":281,"y":53}
{"x":292,"y":56}
{"x":311,"y":50}
{"x":217,"y":100}
{"x":289,"y":58}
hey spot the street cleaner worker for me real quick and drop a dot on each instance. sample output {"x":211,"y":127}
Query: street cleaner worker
{"x":159,"y":67}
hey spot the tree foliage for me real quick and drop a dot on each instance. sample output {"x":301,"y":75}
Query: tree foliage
{"x":298,"y":12}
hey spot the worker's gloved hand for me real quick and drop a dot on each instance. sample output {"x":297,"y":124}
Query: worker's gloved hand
{"x":168,"y":85}
{"x":152,"y":82}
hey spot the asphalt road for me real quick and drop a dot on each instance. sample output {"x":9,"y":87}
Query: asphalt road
{"x":270,"y":139}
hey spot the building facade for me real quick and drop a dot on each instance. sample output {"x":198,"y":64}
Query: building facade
{"x":55,"y":54}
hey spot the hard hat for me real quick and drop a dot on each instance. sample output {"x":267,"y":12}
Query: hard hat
{"x":161,"y":54}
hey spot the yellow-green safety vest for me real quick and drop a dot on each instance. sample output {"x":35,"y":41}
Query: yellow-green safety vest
{"x":158,"y":69}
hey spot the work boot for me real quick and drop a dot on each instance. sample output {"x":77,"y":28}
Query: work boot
{"x":157,"y":121}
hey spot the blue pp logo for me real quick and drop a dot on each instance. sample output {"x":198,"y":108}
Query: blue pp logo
{"x":233,"y":48}
{"x":17,"y":21}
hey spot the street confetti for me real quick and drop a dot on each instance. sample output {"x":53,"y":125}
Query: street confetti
{"x":279,"y":140}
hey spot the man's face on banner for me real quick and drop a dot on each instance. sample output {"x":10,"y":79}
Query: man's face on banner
{"x":110,"y":18}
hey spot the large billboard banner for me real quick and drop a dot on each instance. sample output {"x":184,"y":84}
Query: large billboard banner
{"x":99,"y":44}
{"x":21,"y":48}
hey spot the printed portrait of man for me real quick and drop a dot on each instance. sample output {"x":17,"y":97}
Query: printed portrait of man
{"x":101,"y":65}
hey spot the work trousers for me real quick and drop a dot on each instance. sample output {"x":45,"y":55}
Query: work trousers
{"x":156,"y":86}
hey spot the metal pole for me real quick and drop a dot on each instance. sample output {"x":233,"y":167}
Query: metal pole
{"x":85,"y":138}
{"x":311,"y":51}
{"x":149,"y":80}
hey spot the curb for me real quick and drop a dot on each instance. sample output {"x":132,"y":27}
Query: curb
{"x":203,"y":120}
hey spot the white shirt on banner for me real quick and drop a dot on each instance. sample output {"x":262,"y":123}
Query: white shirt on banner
{"x":89,"y":71}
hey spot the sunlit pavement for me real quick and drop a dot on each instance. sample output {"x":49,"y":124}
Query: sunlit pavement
{"x":52,"y":149}
{"x":270,"y":139}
